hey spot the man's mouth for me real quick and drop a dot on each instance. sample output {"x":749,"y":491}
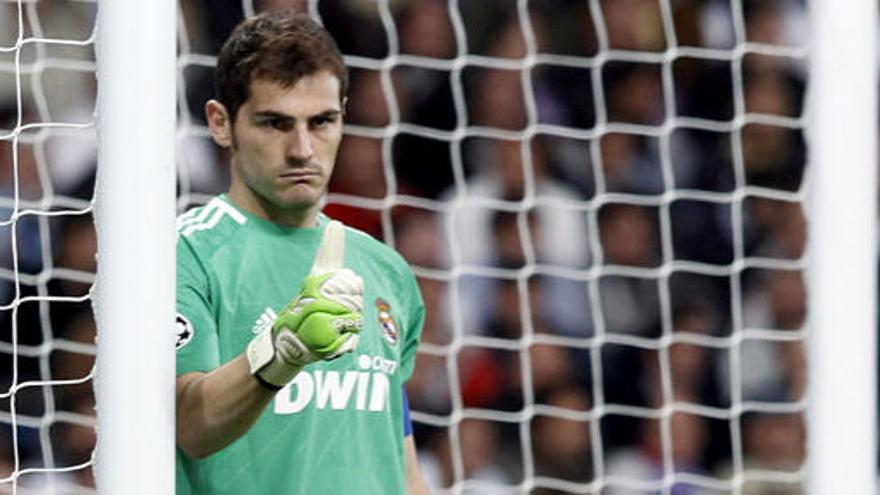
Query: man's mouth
{"x":299,"y":175}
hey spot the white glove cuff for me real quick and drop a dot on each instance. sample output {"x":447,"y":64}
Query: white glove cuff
{"x":260,"y":351}
{"x":264,"y":363}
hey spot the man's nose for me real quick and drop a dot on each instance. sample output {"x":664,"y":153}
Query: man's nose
{"x":299,"y":145}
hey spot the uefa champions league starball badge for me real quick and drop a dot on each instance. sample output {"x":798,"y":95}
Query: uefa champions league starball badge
{"x":184,"y":331}
{"x":386,"y":321}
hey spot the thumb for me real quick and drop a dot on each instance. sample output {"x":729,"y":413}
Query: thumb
{"x":331,"y":252}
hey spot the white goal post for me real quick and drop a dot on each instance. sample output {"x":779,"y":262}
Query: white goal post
{"x":842,"y":416}
{"x":135,"y":213}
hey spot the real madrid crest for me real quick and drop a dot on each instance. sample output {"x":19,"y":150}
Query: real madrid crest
{"x":386,"y":322}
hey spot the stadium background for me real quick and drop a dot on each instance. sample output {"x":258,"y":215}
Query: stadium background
{"x":521,"y":158}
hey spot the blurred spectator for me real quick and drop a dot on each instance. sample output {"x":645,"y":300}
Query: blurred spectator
{"x":480,"y":459}
{"x":776,"y":22}
{"x":68,"y":95}
{"x":496,"y":379}
{"x":367,"y":105}
{"x":564,"y":93}
{"x":57,"y":88}
{"x":510,"y":245}
{"x":75,"y":366}
{"x":359,"y":172}
{"x":773,"y":155}
{"x":777,"y":229}
{"x":75,"y":444}
{"x":557,"y":236}
{"x":425,"y":29}
{"x":634,"y":93}
{"x":629,"y":236}
{"x":690,"y":365}
{"x":562,"y":446}
{"x":628,"y":166}
{"x":635,"y":377}
{"x":775,"y":301}
{"x":761,"y":223}
{"x":549,"y":366}
{"x":772,"y":442}
{"x":78,"y":442}
{"x":651,"y":457}
{"x":787,"y":301}
{"x":368,"y":40}
{"x":419,"y":237}
{"x":493,"y":377}
{"x":7,"y":458}
{"x":419,"y":241}
{"x":36,"y":323}
{"x":497,"y":97}
{"x":428,"y":388}
{"x":424,"y":96}
{"x":19,"y":174}
{"x":72,"y":442}
{"x":279,"y":5}
{"x":633,"y":25}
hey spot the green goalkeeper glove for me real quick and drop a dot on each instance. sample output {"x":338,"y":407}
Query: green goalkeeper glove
{"x":321,"y":322}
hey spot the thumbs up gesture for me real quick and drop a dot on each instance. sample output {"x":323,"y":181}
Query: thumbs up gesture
{"x":321,"y":322}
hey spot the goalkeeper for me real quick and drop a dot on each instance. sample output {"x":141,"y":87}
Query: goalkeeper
{"x":295,"y":334}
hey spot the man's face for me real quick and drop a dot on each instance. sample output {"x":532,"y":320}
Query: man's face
{"x":283,"y":143}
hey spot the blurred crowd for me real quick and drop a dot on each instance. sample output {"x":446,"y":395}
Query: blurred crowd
{"x":576,"y":204}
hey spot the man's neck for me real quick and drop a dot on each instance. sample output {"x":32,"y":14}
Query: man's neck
{"x":286,"y":217}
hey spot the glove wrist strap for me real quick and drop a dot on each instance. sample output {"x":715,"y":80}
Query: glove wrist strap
{"x":268,"y":386}
{"x":265,"y":366}
{"x":278,"y":373}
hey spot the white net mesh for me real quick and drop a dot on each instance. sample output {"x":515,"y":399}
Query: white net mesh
{"x":602,"y":201}
{"x":605,"y":216}
{"x":47,"y":155}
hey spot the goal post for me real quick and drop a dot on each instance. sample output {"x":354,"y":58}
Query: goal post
{"x":135,"y":213}
{"x":842,"y":416}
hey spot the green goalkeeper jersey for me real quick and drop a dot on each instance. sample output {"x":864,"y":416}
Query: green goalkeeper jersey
{"x":338,"y":426}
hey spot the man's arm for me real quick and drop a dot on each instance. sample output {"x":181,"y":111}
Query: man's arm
{"x":415,"y":482}
{"x":322,"y":322}
{"x":214,"y":409}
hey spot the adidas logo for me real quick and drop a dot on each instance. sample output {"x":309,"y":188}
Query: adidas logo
{"x":264,"y":321}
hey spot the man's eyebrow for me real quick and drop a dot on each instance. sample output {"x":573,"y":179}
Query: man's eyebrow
{"x":328,"y":114}
{"x":271,"y":114}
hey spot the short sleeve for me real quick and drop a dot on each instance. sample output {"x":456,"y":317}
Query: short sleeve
{"x":414,"y":322}
{"x":197,"y":345}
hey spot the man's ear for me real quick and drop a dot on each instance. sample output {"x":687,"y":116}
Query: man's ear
{"x":219,"y":123}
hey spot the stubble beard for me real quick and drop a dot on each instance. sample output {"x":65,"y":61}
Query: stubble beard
{"x":295,"y":199}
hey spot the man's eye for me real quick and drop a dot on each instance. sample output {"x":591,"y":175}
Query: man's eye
{"x":321,"y":122}
{"x":277,"y":124}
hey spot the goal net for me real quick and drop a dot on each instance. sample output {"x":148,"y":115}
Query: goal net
{"x":604,"y":202}
{"x":47,"y":246}
{"x":49,"y":390}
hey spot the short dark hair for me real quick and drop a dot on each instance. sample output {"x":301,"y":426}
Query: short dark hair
{"x":281,"y":47}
